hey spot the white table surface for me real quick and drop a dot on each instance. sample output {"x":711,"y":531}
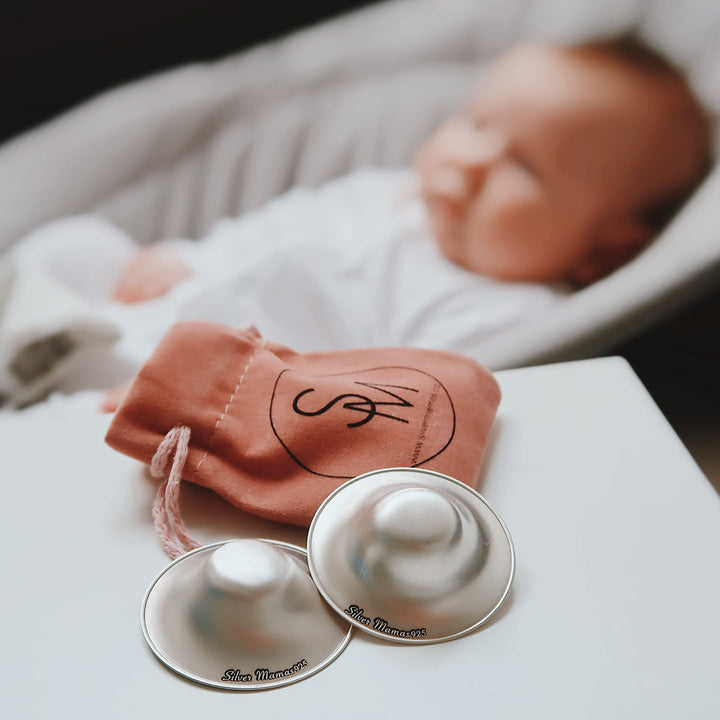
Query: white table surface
{"x":614,"y":613}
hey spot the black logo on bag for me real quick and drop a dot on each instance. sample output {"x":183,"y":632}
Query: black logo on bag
{"x":343,"y":424}
{"x":361,"y":403}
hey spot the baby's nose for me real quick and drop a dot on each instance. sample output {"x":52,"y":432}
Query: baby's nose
{"x":470,"y":153}
{"x":473,"y":161}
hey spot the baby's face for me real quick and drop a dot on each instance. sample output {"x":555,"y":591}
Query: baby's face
{"x":553,"y":150}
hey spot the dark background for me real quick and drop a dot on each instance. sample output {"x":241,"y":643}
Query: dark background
{"x":53,"y":54}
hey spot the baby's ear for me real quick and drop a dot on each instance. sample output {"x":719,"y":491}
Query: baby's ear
{"x":613,"y":246}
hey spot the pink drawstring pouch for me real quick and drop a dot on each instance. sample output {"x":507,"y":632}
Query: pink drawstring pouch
{"x":275,"y":431}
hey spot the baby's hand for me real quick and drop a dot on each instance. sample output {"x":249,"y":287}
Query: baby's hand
{"x":112,"y":398}
{"x":151,"y":273}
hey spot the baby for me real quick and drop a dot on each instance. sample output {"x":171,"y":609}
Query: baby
{"x":561,"y":167}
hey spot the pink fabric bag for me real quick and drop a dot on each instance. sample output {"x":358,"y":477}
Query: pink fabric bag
{"x":275,"y":432}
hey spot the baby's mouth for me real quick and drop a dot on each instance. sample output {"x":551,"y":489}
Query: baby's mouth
{"x":448,"y":189}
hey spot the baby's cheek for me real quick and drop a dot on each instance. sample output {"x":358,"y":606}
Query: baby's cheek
{"x":504,"y":240}
{"x":518,"y":207}
{"x":495,"y":221}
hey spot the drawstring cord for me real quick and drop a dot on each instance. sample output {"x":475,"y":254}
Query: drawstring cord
{"x":169,"y":525}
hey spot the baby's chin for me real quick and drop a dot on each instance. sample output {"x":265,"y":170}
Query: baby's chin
{"x":448,"y":229}
{"x":446,"y":235}
{"x":445,"y":220}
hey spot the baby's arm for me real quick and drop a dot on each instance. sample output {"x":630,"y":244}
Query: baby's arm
{"x":291,"y":220}
{"x":155,"y":270}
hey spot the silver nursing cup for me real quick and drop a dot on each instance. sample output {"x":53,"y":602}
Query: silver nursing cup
{"x":241,"y":615}
{"x":415,"y":544}
{"x":410,"y":555}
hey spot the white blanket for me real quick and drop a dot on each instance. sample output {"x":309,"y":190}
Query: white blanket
{"x":351,"y":264}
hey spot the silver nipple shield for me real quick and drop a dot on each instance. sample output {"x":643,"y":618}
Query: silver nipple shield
{"x":241,"y":615}
{"x":410,"y":555}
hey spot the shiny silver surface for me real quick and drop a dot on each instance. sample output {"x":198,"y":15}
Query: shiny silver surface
{"x":241,"y":615}
{"x":410,"y":555}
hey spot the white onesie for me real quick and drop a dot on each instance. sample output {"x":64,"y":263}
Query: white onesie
{"x":351,"y":264}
